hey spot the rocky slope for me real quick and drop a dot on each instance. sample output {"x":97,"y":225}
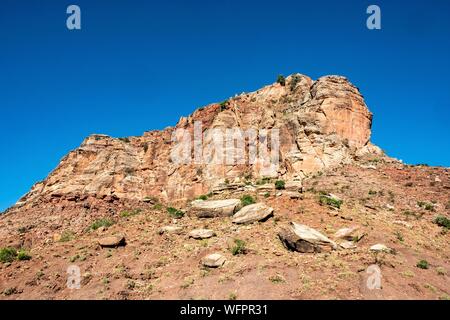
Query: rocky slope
{"x":124,"y":215}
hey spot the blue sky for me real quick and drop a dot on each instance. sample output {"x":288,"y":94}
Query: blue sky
{"x":140,"y":65}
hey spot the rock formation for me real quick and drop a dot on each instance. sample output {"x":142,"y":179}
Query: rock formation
{"x":321,"y":124}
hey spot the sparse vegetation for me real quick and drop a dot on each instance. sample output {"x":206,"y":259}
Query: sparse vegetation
{"x":372,"y":192}
{"x":425,"y":205}
{"x":202,"y":197}
{"x":399,"y":236}
{"x":329,"y":201}
{"x":247,"y":200}
{"x":175,"y":213}
{"x":7,"y":255}
{"x":442,"y":222}
{"x":66,"y":236}
{"x":266,"y":195}
{"x":129,"y":213}
{"x":281,"y":80}
{"x":238,"y":247}
{"x":23,"y":255}
{"x":422,"y":264}
{"x":101,"y":223}
{"x":277,"y":279}
{"x":280,"y":185}
{"x":223,"y":105}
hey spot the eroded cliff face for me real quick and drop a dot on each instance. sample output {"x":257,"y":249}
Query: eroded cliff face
{"x":322,"y":124}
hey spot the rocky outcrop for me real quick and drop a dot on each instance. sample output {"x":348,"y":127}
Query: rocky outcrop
{"x":252,"y":213}
{"x":321,"y":124}
{"x":214,"y":208}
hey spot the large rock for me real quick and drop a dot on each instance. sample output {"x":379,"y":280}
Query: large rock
{"x":170,"y":229}
{"x":112,"y":241}
{"x":252,"y":213}
{"x":322,"y":124}
{"x":214,"y":260}
{"x":346,"y":233}
{"x":301,"y":238}
{"x":214,"y":208}
{"x":202,"y":233}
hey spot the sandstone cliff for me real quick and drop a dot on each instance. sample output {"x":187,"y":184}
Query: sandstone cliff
{"x":321,"y":124}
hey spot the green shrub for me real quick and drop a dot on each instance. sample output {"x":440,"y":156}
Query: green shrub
{"x":66,"y":236}
{"x":128,"y":213}
{"x":442,"y":221}
{"x":223,"y":105}
{"x":102,"y":223}
{"x":238,"y":247}
{"x":326,"y":200}
{"x":266,"y":195}
{"x":372,"y":192}
{"x":203,"y":197}
{"x":247,"y":200}
{"x":23,"y":255}
{"x":281,"y":80}
{"x":425,"y":205}
{"x":7,"y":255}
{"x":175,"y":212}
{"x":422,"y":264}
{"x":158,"y":206}
{"x":280,"y":185}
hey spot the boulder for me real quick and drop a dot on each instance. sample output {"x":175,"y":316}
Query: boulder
{"x":304,"y":239}
{"x":214,"y":260}
{"x":252,"y":213}
{"x":348,"y":245}
{"x":202,"y":233}
{"x":346,"y":233}
{"x":112,"y":241}
{"x":294,"y":186}
{"x":170,"y":229}
{"x":380,"y":248}
{"x":214,"y":208}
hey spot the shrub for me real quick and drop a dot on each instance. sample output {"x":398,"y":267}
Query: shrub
{"x":442,"y":222}
{"x":281,"y":80}
{"x":247,"y":200}
{"x":422,"y":264}
{"x":203,"y":197}
{"x":295,"y":80}
{"x":7,"y":255}
{"x":23,"y":255}
{"x":158,"y":206}
{"x":280,"y":185}
{"x":266,"y":195}
{"x":127,"y":213}
{"x":326,"y":200}
{"x":66,"y":236}
{"x":238,"y":247}
{"x":102,"y":223}
{"x":372,"y":192}
{"x":175,"y":212}
{"x":223,"y":105}
{"x":425,"y":205}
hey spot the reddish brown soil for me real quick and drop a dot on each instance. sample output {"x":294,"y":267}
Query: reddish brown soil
{"x":153,"y":266}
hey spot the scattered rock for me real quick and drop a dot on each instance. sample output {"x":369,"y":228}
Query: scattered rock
{"x":346,"y":233}
{"x":403,"y":223}
{"x":293,"y":186}
{"x":437,"y":179}
{"x":380,"y":248}
{"x":293,"y":194}
{"x":252,"y":213}
{"x":171,"y":229}
{"x":304,"y":239}
{"x":202,"y":233}
{"x":348,"y":245}
{"x":214,"y":208}
{"x":112,"y":241}
{"x":214,"y":260}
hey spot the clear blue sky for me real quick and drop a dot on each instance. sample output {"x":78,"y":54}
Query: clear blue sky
{"x":140,"y":65}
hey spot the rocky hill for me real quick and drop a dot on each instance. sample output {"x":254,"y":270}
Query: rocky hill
{"x":309,"y":215}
